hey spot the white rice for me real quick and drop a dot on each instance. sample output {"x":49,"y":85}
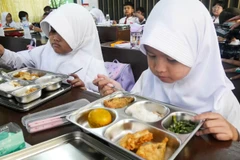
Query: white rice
{"x":141,"y":113}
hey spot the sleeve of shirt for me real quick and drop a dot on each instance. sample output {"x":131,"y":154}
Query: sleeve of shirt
{"x":17,"y":59}
{"x":95,"y":67}
{"x":228,"y":106}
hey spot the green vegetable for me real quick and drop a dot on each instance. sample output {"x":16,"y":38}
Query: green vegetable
{"x":182,"y":127}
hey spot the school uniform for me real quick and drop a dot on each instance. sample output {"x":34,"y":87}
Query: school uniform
{"x":4,"y":22}
{"x":128,"y":20}
{"x":215,"y":20}
{"x":194,"y":44}
{"x":81,"y":37}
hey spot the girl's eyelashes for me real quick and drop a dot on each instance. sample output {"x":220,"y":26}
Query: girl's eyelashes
{"x":150,"y":55}
{"x":169,"y":59}
{"x":53,"y":30}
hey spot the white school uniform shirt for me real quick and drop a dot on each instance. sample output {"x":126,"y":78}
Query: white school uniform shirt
{"x":193,"y":43}
{"x":130,"y":20}
{"x":215,"y":20}
{"x":82,"y":38}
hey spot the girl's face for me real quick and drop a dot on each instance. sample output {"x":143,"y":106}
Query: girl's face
{"x":9,"y":18}
{"x":167,"y":69}
{"x":58,"y":43}
{"x":216,"y":10}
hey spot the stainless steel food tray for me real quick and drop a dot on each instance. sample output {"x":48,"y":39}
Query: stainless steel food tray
{"x":72,"y":146}
{"x":124,"y":123}
{"x":54,"y":85}
{"x":41,"y":73}
{"x":46,"y":96}
{"x":8,"y":93}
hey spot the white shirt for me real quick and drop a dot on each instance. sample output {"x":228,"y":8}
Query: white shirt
{"x":130,"y":20}
{"x":215,"y":20}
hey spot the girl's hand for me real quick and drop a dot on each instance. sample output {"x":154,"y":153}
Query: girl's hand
{"x":106,"y":85}
{"x":218,"y":126}
{"x":1,"y":50}
{"x":77,"y":82}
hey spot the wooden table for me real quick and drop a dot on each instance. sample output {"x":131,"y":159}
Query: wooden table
{"x":198,"y":148}
{"x":113,"y":33}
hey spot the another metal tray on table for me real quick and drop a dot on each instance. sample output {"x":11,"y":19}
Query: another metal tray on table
{"x":43,"y":94}
{"x":72,"y":146}
{"x":124,"y":123}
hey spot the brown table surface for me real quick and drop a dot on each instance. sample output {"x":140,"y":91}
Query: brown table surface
{"x":198,"y":148}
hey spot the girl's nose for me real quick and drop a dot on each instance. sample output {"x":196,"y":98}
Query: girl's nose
{"x":160,"y":66}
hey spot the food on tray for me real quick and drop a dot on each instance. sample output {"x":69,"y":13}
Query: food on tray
{"x":118,"y":102}
{"x":15,"y":84}
{"x":153,"y":151}
{"x":140,"y":112}
{"x":27,"y":75}
{"x":9,"y":29}
{"x":221,"y":39}
{"x":30,"y":90}
{"x":182,"y":127}
{"x":134,"y":141}
{"x":99,"y":117}
{"x":10,"y":86}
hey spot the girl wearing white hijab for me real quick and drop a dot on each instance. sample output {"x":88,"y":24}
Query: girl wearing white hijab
{"x":7,"y":20}
{"x":72,"y":45}
{"x":185,"y":67}
{"x":98,"y":15}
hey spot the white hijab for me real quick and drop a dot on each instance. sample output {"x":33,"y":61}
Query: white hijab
{"x":98,"y":14}
{"x":184,"y":31}
{"x":76,"y":26}
{"x":4,"y":16}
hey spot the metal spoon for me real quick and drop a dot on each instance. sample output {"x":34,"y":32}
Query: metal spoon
{"x":75,"y":71}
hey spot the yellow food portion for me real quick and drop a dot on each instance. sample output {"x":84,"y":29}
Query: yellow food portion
{"x":118,"y":102}
{"x":15,"y":84}
{"x":27,"y":75}
{"x":31,"y":90}
{"x":117,"y":42}
{"x":99,"y":117}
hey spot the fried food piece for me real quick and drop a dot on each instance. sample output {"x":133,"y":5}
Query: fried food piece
{"x":153,"y":151}
{"x":134,"y":141}
{"x":26,"y":75}
{"x":31,"y":90}
{"x":15,"y":84}
{"x":118,"y":102}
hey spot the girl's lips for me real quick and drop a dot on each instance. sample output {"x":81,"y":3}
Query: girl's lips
{"x":55,"y":45}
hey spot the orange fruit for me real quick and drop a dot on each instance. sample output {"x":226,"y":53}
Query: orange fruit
{"x":99,"y":117}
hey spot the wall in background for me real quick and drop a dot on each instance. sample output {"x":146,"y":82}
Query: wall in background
{"x":115,"y":7}
{"x":33,"y":7}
